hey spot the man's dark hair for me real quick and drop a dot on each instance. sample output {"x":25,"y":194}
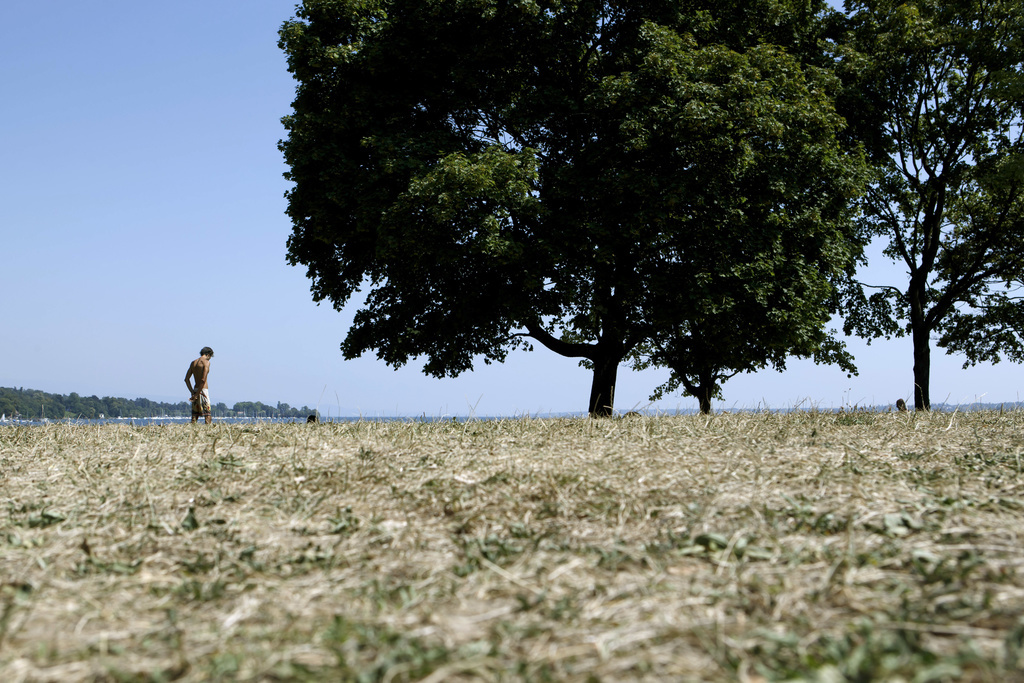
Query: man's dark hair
{"x":207,"y":351}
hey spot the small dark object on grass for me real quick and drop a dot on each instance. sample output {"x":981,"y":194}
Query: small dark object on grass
{"x":312,"y":418}
{"x":901,"y":405}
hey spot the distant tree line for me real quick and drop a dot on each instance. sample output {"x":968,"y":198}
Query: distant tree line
{"x":35,"y":404}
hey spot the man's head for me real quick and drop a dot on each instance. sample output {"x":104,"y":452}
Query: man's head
{"x":207,"y":351}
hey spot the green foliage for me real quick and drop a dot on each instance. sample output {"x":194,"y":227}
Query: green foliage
{"x":608,"y":180}
{"x":35,"y":404}
{"x":32,"y":404}
{"x":369,"y":653}
{"x":934,"y":91}
{"x":864,"y":652}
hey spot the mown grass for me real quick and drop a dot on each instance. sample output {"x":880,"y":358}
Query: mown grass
{"x":754,"y":547}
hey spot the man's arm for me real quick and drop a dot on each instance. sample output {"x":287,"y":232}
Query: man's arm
{"x":188,"y":378}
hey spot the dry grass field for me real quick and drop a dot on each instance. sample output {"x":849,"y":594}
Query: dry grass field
{"x":750,"y":547}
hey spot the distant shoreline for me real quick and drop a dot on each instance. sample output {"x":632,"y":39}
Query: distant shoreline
{"x":7,"y":421}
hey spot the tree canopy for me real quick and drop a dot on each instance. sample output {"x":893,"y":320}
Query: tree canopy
{"x":935,"y":91}
{"x":606,"y":179}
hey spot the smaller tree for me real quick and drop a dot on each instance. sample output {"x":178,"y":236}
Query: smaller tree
{"x":713,"y":348}
{"x":934,"y":92}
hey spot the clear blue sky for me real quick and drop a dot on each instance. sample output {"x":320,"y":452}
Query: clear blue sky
{"x":142,"y":217}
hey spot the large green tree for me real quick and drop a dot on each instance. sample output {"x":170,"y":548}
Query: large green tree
{"x":935,"y":93}
{"x":579,"y":174}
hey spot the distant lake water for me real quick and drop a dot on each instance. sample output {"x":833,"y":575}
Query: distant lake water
{"x":147,"y":421}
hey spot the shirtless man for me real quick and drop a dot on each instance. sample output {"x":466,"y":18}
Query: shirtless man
{"x":200,"y":394}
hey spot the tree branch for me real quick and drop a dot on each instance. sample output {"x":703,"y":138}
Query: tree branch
{"x":560,"y":347}
{"x":895,"y":289}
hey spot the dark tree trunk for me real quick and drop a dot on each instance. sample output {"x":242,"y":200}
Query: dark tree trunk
{"x":605,"y":357}
{"x":922,"y":322}
{"x":602,"y":390}
{"x":920,"y":333}
{"x":705,"y":390}
{"x":704,"y":399}
{"x":922,"y":369}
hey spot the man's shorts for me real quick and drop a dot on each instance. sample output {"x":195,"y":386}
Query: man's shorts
{"x":201,"y":406}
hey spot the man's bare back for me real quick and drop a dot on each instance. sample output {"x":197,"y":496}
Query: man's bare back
{"x":199,"y":395}
{"x":200,"y":370}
